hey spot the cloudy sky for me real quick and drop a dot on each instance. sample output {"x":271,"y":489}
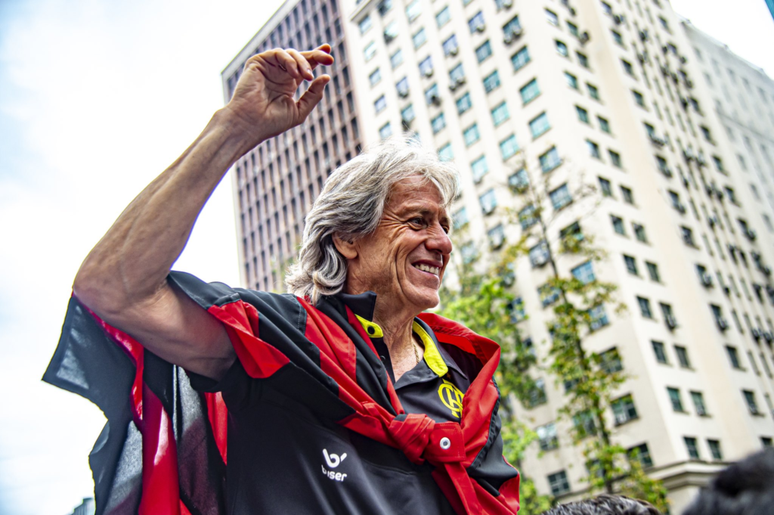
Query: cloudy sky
{"x":96,"y":98}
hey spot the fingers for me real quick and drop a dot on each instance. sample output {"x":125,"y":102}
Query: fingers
{"x":312,"y":96}
{"x":320,"y":55}
{"x":301,"y":63}
{"x":285,"y":61}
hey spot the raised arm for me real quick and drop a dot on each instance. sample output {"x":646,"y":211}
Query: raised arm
{"x":124,"y":277}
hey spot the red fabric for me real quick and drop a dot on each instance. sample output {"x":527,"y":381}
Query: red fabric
{"x":160,"y":485}
{"x":417,"y":435}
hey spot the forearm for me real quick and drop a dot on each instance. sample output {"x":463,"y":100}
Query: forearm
{"x":131,"y":262}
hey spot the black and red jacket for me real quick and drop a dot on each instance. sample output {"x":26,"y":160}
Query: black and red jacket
{"x":165,"y":446}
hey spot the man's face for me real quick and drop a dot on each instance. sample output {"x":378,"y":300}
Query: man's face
{"x":403,"y":261}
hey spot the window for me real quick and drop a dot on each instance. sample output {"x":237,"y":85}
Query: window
{"x":385,"y":131}
{"x":615,"y":158}
{"x":402,"y":87}
{"x":669,"y":317}
{"x":483,"y":51}
{"x":509,"y":147}
{"x":539,"y":125}
{"x":660,"y":351}
{"x":645,"y":307}
{"x":593,"y":149}
{"x":552,"y":18}
{"x":547,"y":437}
{"x":561,"y":48}
{"x":488,"y":201}
{"x":627,"y":66}
{"x":638,"y":98}
{"x":639,"y":233}
{"x":492,"y":81}
{"x":471,"y":135}
{"x":527,"y":217}
{"x":573,"y":29}
{"x":624,"y":409}
{"x":450,"y":46}
{"x":519,"y":59}
{"x":476,"y":23}
{"x":583,"y":115}
{"x":432,"y":96}
{"x":538,"y":254}
{"x":384,"y":7}
{"x":426,"y":66}
{"x":582,"y":59}
{"x":537,"y":395}
{"x":375,"y":77}
{"x":413,"y":10}
{"x":517,"y":315}
{"x":664,"y":23}
{"x":500,"y":113}
{"x":698,"y":403}
{"x":438,"y":123}
{"x":549,"y":160}
{"x":463,"y":103}
{"x":584,"y":273}
{"x":749,"y":398}
{"x":559,"y":483}
{"x":380,"y":104}
{"x":617,"y":38}
{"x":618,"y":225}
{"x":610,"y":361}
{"x":469,"y":252}
{"x":604,"y":125}
{"x":641,"y":453}
{"x":479,"y":167}
{"x":365,"y":24}
{"x":583,"y":423}
{"x":496,"y":236}
{"x":396,"y":58}
{"x":593,"y":91}
{"x":511,"y":30}
{"x":605,"y":187}
{"x":719,"y":164}
{"x":682,"y":356}
{"x":572,"y":80}
{"x":419,"y":37}
{"x":714,"y":447}
{"x":627,"y":195}
{"x":390,"y":32}
{"x":733,"y":357}
{"x":407,"y":114}
{"x":631,"y":264}
{"x":460,"y":218}
{"x":369,"y":51}
{"x":457,"y":75}
{"x":597,"y":318}
{"x":766,"y":441}
{"x":675,"y":399}
{"x":690,"y":445}
{"x":445,"y":153}
{"x":443,"y":17}
{"x":529,"y":91}
{"x":519,"y":181}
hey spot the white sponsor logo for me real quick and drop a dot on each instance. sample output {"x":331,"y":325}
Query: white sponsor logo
{"x":333,"y":461}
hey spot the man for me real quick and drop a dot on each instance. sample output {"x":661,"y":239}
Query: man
{"x":340,"y":400}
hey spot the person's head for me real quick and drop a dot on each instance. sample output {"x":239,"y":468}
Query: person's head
{"x":746,"y":487}
{"x":605,"y":505}
{"x":348,"y":230}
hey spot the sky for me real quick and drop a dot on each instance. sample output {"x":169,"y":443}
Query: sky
{"x":96,"y":99}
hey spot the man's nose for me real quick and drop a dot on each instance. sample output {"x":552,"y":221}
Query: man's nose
{"x":439,"y":240}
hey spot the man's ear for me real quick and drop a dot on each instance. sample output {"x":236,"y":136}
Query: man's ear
{"x":347,"y":248}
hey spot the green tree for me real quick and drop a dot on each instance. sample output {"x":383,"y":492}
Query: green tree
{"x":579,"y":304}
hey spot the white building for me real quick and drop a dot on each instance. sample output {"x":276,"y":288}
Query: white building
{"x":609,"y":94}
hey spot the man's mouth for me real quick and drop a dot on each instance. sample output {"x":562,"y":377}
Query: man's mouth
{"x":427,"y":268}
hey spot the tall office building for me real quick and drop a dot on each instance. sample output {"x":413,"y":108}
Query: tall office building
{"x":564,"y":95}
{"x":276,"y":183}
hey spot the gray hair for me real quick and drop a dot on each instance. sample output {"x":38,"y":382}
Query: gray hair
{"x":605,"y":505}
{"x":351,"y":205}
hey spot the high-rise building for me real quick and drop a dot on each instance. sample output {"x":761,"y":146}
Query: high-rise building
{"x":276,"y":183}
{"x":564,"y":95}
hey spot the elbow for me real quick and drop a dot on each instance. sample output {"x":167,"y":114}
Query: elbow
{"x":99,"y":291}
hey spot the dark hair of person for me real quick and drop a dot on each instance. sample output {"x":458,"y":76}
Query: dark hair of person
{"x":744,"y":488}
{"x":605,"y":505}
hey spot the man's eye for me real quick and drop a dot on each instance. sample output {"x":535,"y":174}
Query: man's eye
{"x":419,"y":222}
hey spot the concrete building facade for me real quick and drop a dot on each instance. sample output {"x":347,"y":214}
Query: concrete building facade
{"x":565,"y":95}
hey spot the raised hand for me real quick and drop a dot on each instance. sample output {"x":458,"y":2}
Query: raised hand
{"x":264,"y":104}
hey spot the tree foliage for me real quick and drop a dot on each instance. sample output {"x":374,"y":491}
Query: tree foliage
{"x":579,"y":306}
